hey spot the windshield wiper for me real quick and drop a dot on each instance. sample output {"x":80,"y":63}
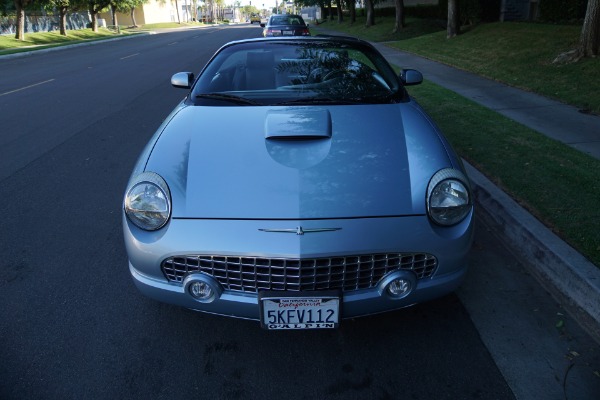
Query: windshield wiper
{"x":228,"y":97}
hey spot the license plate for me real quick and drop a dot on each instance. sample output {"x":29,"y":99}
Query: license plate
{"x":299,"y":310}
{"x":287,"y":32}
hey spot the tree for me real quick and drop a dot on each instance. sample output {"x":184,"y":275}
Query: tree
{"x":453,"y":27}
{"x":220,"y":5}
{"x":400,"y":19}
{"x":370,"y":13}
{"x":351,"y":4}
{"x":177,"y":9}
{"x":20,"y":7}
{"x":130,"y":6}
{"x":62,"y":6}
{"x":589,"y":42}
{"x":94,"y":7}
{"x":113,"y":13}
{"x":247,"y":11}
{"x":340,"y":15}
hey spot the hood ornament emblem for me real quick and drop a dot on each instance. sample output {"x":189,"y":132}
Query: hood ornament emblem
{"x":300,"y":231}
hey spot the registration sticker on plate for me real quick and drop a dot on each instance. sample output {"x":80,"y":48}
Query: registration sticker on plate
{"x":299,"y":310}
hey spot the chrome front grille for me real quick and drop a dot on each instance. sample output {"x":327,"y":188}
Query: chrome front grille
{"x":251,"y":274}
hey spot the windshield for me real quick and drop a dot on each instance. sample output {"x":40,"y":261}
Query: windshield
{"x":297,"y":72}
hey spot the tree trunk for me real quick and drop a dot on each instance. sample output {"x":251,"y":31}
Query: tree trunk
{"x":94,"y":19}
{"x":400,"y":21}
{"x":177,"y":8}
{"x":453,"y":19}
{"x":589,"y":44}
{"x":340,"y":16}
{"x":63,"y":20}
{"x":589,"y":41}
{"x":370,"y":13}
{"x":352,"y":6}
{"x":113,"y":10}
{"x":330,"y":11}
{"x":20,"y":7}
{"x":133,"y":17}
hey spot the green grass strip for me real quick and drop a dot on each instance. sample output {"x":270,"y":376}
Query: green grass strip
{"x":42,"y":40}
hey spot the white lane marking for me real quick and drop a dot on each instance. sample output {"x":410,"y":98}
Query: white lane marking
{"x":26,"y":87}
{"x":129,"y":56}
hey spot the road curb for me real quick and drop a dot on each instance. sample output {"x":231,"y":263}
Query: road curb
{"x":566,"y":274}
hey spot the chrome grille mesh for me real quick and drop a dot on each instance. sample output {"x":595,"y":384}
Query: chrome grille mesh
{"x":250,"y":274}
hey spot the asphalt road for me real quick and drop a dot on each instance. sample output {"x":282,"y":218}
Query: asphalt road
{"x":73,"y":326}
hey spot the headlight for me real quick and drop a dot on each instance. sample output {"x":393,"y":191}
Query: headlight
{"x":148,"y":201}
{"x":448,"y":197}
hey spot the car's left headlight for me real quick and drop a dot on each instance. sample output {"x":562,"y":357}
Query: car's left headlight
{"x":148,"y":201}
{"x":448,"y":197}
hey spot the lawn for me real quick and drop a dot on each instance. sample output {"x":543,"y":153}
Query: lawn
{"x":44,"y":40}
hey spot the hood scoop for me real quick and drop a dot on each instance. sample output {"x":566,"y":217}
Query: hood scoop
{"x":298,"y":138}
{"x":298,"y":124}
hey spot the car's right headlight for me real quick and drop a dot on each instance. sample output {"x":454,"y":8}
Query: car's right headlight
{"x":448,"y":197}
{"x":147,"y":201}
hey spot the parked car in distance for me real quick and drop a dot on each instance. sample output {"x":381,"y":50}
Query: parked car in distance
{"x":297,"y":184}
{"x":285,"y":25}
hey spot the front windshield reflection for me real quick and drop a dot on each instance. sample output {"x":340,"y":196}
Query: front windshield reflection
{"x":295,"y":73}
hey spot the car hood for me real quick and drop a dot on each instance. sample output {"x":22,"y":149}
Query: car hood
{"x":298,"y":162}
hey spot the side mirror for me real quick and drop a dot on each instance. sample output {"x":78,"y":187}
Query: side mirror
{"x":183,"y":80}
{"x":262,"y":25}
{"x":411,"y":77}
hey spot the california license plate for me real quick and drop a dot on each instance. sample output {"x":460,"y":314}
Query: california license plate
{"x":299,"y":310}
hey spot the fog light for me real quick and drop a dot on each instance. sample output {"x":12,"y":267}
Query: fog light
{"x":399,"y":287}
{"x":202,"y":287}
{"x":201,"y":290}
{"x":398,"y":284}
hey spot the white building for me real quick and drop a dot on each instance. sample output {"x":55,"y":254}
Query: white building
{"x":153,"y":12}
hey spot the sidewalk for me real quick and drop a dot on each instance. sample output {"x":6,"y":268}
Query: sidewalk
{"x":554,"y":119}
{"x":570,"y":277}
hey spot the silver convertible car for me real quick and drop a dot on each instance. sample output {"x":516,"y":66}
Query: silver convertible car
{"x":297,"y":184}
